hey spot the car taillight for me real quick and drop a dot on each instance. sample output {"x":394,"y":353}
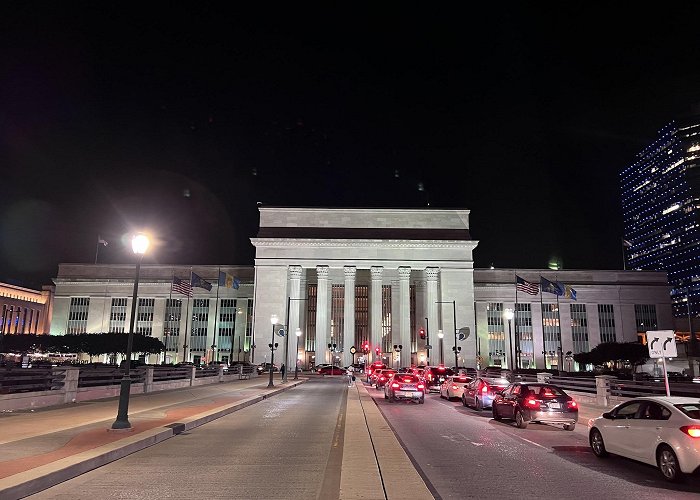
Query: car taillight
{"x":382,"y":378}
{"x":395,"y":385}
{"x":485,"y":389}
{"x":454,"y":387}
{"x":532,"y":403}
{"x":692,"y":430}
{"x":572,"y":404}
{"x":421,"y":386}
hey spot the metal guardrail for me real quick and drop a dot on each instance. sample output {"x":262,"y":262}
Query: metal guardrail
{"x":162,"y":373}
{"x":94,"y":377}
{"x":25,"y":380}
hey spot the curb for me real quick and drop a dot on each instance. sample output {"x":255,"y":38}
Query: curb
{"x":40,"y":478}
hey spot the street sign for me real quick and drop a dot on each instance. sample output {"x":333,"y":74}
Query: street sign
{"x":353,"y":350}
{"x":463,"y":333}
{"x":428,"y":346}
{"x":281,"y":332}
{"x":662,"y":344}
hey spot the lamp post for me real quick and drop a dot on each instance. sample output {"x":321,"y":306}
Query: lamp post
{"x":442,"y":354}
{"x":139,"y":244}
{"x":454,"y":319}
{"x":333,"y":348}
{"x":427,"y":340}
{"x":296,"y":358}
{"x":509,"y":315}
{"x":273,"y":320}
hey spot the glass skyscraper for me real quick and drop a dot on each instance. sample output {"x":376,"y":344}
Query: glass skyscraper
{"x":660,"y":199}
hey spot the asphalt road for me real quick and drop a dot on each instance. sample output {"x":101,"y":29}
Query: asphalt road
{"x":462,"y":453}
{"x":282,"y":447}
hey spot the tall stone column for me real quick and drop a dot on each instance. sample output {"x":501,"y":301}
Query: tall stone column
{"x":349,"y":315}
{"x":404,"y":337}
{"x":322,"y":320}
{"x":376,"y":312}
{"x":431,"y":308}
{"x":293,"y":320}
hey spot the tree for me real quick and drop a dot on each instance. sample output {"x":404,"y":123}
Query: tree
{"x":616,"y":353}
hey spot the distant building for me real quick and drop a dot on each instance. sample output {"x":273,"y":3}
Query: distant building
{"x":660,"y":200}
{"x":25,"y":310}
{"x":348,"y":276}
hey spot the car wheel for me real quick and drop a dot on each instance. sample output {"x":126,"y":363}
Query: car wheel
{"x":391,"y":399}
{"x":443,"y":397}
{"x":496,"y":416}
{"x":668,"y":464}
{"x":464,"y":401}
{"x":569,"y":427}
{"x":421,"y":401}
{"x":520,"y":420}
{"x":477,"y":404}
{"x":597,"y":445}
{"x":385,"y":396}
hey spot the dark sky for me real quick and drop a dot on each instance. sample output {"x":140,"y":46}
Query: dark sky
{"x":119,"y":116}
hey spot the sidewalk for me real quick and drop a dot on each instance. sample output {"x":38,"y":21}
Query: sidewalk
{"x":45,"y":447}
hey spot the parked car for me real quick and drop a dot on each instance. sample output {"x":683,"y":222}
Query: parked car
{"x":480,"y":392}
{"x":265,"y":368}
{"x":531,"y":402}
{"x":658,"y":430}
{"x":404,"y":386}
{"x":434,"y":376}
{"x":453,"y":387}
{"x":331,"y":370}
{"x":382,"y":377}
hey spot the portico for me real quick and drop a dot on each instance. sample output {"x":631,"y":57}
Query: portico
{"x":364,"y":275}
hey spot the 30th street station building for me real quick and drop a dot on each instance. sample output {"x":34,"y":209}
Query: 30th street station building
{"x":343,"y":277}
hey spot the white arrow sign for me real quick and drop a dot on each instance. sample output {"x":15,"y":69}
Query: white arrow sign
{"x":662,"y":344}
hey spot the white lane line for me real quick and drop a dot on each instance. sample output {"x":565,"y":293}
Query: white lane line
{"x":532,"y":442}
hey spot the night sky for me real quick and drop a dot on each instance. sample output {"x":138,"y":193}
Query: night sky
{"x":115,"y":117}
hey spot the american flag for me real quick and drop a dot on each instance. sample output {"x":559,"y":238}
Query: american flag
{"x":525,"y":286}
{"x":182,"y":286}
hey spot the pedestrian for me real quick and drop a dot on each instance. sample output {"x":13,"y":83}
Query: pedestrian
{"x":351,"y":376}
{"x":283,"y":369}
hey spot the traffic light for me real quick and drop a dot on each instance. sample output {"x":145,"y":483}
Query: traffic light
{"x":377,"y":350}
{"x":421,"y":333}
{"x":365,"y":347}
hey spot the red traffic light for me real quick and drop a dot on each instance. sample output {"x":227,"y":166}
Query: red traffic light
{"x":421,"y":332}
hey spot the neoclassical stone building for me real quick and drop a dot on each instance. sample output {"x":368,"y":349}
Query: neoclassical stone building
{"x":344,"y":277}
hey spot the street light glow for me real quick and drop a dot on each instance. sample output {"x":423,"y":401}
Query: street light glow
{"x":140,"y":243}
{"x":508,"y":314}
{"x":298,"y":332}
{"x":273,"y":319}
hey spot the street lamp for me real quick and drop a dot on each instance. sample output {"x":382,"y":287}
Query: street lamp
{"x":333,"y":348}
{"x":296,"y":359}
{"x":139,"y":244}
{"x":454,"y":319}
{"x":273,"y":320}
{"x":442,"y":354}
{"x":509,"y":315}
{"x":286,"y":342}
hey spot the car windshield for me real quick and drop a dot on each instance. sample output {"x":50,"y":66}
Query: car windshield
{"x":387,"y":373}
{"x":405,"y":378}
{"x":690,"y":409}
{"x":546,"y":391}
{"x":461,"y":379}
{"x":442,"y":372}
{"x":499,"y":382}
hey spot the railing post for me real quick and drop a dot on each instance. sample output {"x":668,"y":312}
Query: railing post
{"x":70,"y":384}
{"x":602,"y":389}
{"x":148,"y":381}
{"x":221,"y":373}
{"x":193,"y":371}
{"x":543,"y":377}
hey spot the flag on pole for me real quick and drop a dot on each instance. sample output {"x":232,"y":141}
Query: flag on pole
{"x":626,"y":243}
{"x":100,"y":241}
{"x":225,"y":280}
{"x":198,"y":281}
{"x":525,"y":286}
{"x":181,"y":286}
{"x":551,"y":287}
{"x":569,"y":292}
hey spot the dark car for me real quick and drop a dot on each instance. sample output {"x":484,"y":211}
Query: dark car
{"x":531,"y":402}
{"x":265,"y":368}
{"x":382,"y":377}
{"x":331,"y":370}
{"x":480,"y":392}
{"x":434,"y":376}
{"x":377,"y":365}
{"x":405,"y":386}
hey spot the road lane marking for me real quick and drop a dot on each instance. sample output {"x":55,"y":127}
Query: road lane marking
{"x":532,"y":442}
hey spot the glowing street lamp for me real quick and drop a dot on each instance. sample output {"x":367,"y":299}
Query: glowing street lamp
{"x":509,"y":315}
{"x":139,"y":245}
{"x":296,"y":361}
{"x":442,"y":355}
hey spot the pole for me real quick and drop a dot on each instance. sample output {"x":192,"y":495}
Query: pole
{"x":442,"y":354}
{"x":296,"y":360}
{"x":560,"y":353}
{"x":286,"y":342}
{"x":454,"y":319}
{"x":517,"y":339}
{"x":187,"y":320}
{"x":272,"y":356}
{"x":216,"y":318}
{"x":544,"y":344}
{"x":122,"y":421}
{"x":510,"y":344}
{"x":427,"y":339}
{"x":668,"y":390}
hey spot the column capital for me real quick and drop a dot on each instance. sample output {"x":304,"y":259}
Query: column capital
{"x":350,"y":272}
{"x":432,"y":273}
{"x":404,"y":272}
{"x":376,"y":272}
{"x":294,"y":272}
{"x":322,"y":272}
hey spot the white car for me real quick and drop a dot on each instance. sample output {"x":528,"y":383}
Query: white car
{"x":661,"y":431}
{"x":453,"y":387}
